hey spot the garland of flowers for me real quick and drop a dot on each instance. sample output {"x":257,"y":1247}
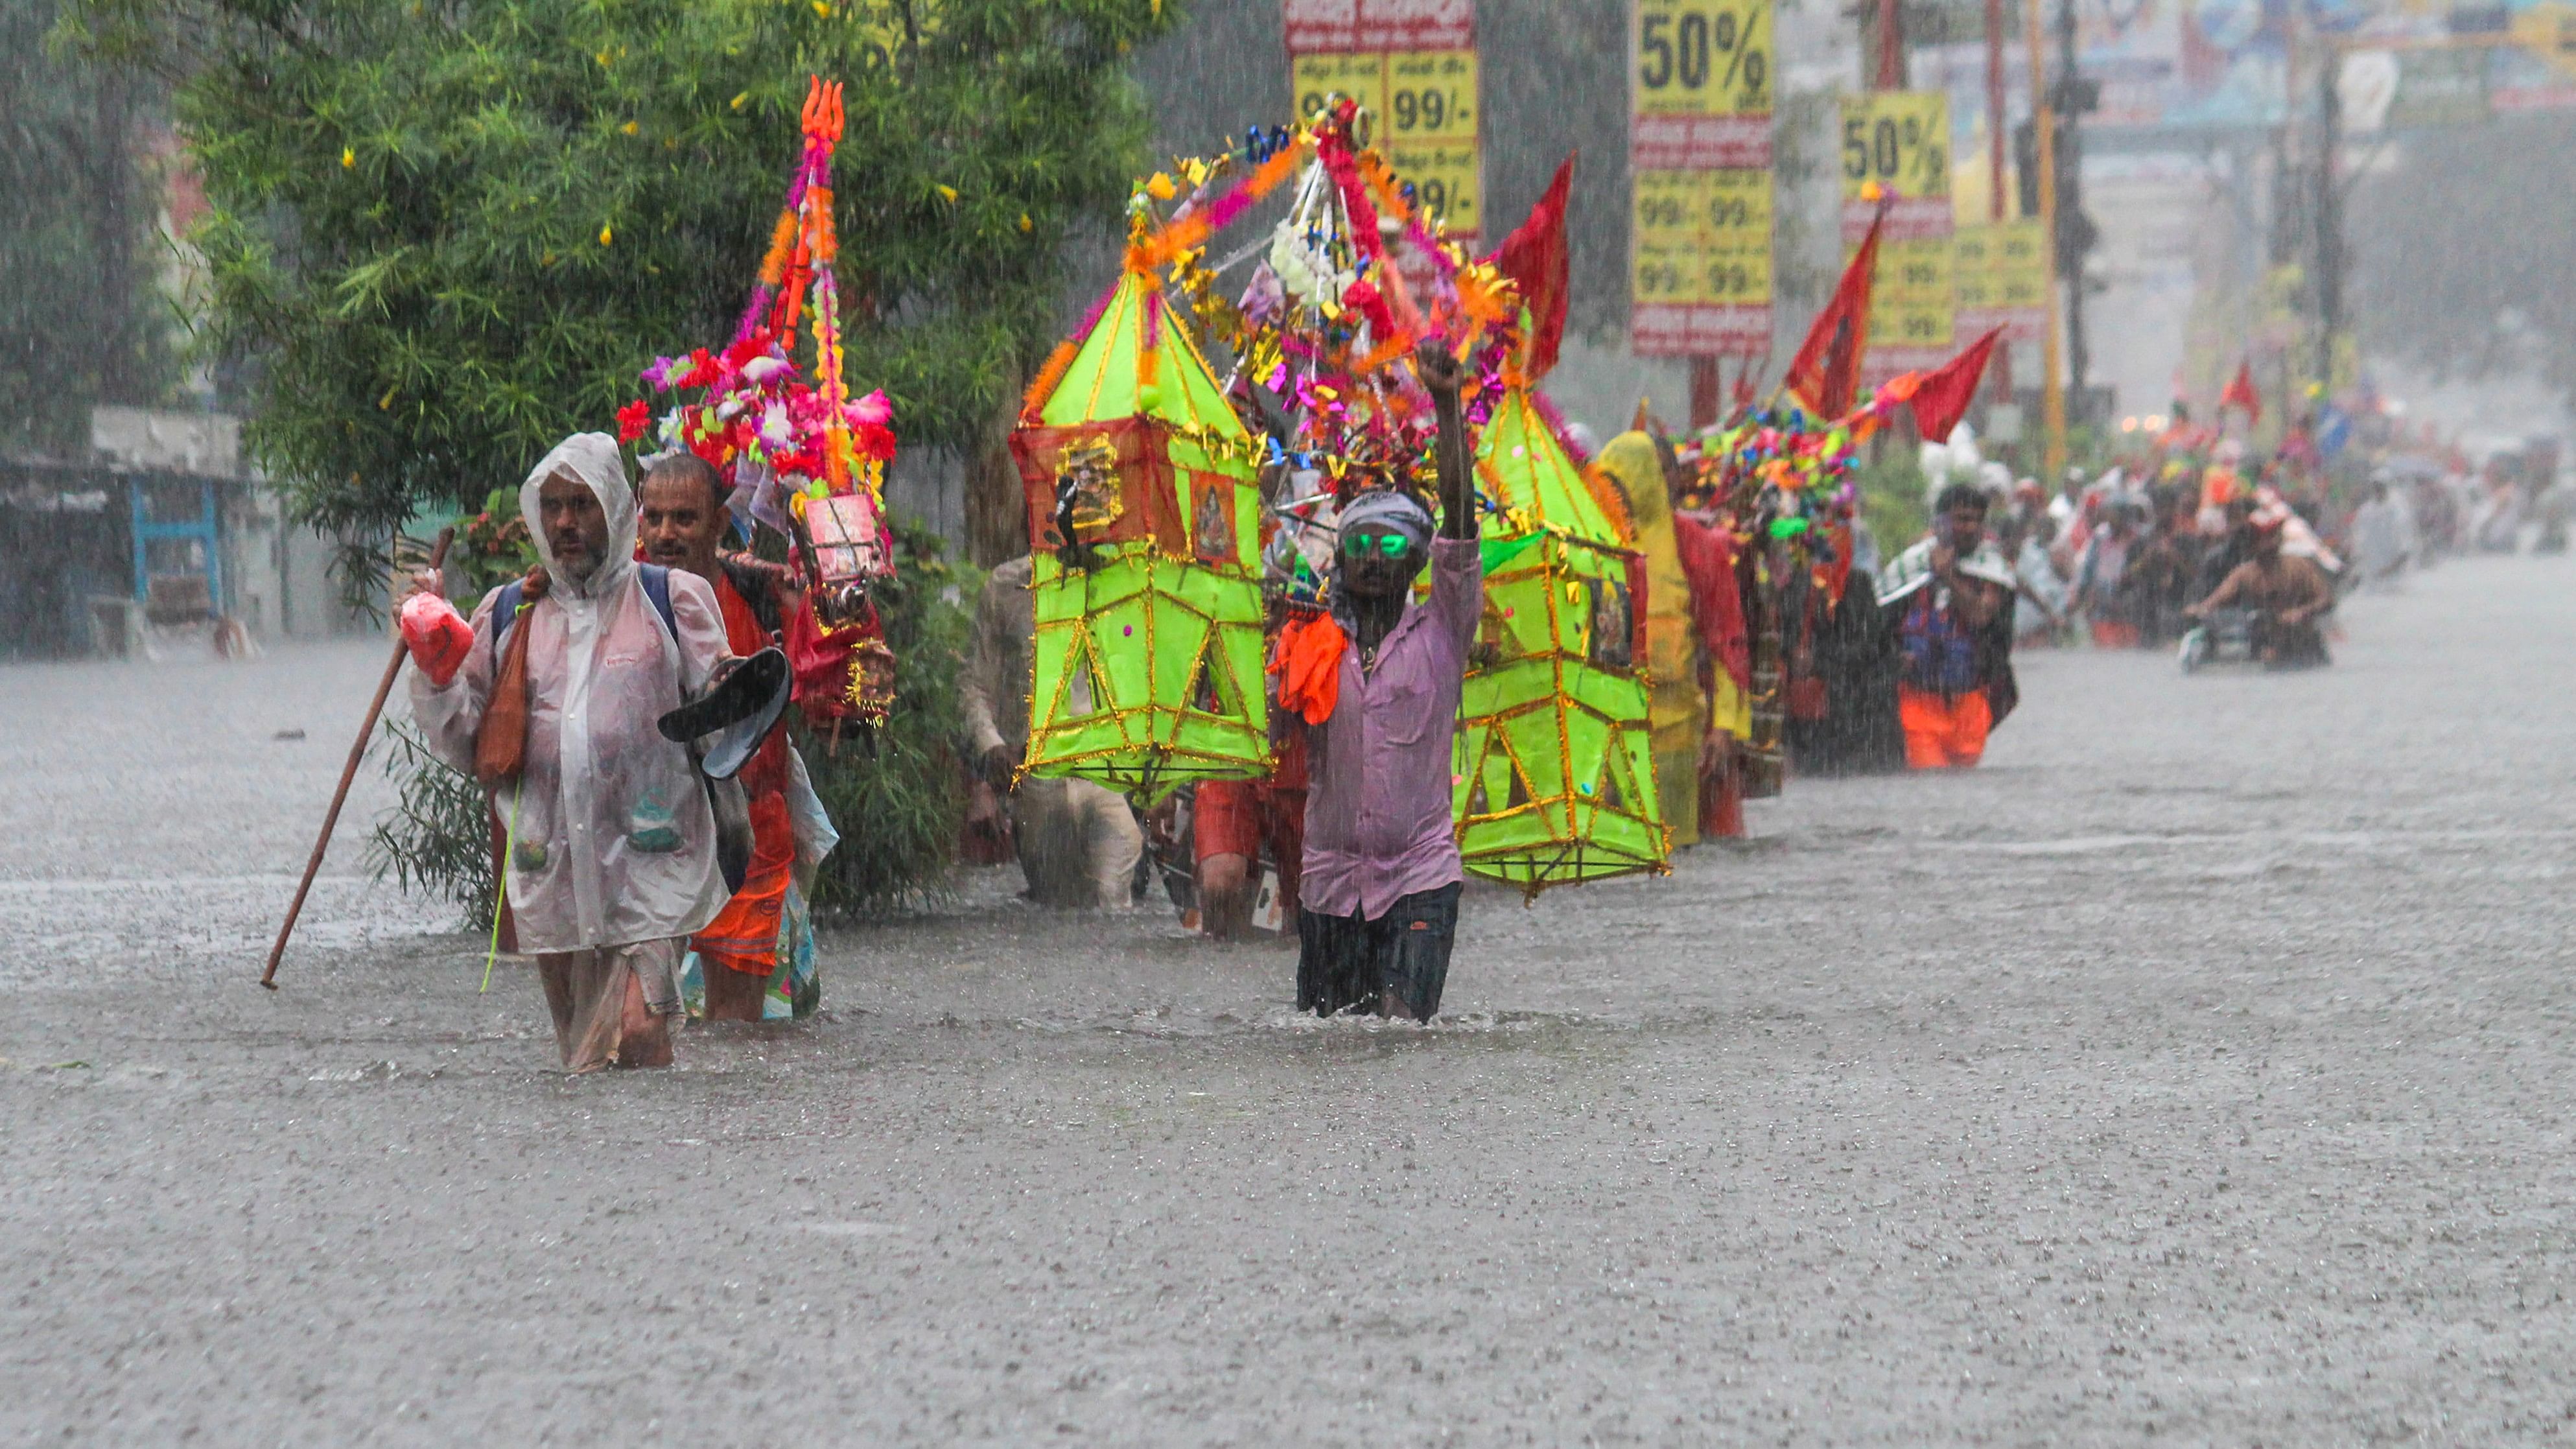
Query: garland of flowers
{"x":782,"y":442}
{"x":757,"y":421}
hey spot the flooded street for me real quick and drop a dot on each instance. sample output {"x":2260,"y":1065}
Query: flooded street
{"x":2197,"y":1071}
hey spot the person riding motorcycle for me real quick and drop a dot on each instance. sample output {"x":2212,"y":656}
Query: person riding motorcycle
{"x":2286,"y":593}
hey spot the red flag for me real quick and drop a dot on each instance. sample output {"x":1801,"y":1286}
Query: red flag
{"x":1942,"y":396}
{"x":2240,"y":393}
{"x":1826,"y":370}
{"x":1534,"y":257}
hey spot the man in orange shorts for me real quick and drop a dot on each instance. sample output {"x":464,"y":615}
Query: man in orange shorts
{"x":1950,"y":597}
{"x":1231,"y":821}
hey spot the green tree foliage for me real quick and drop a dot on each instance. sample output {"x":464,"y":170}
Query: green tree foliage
{"x":436,"y":838}
{"x":898,"y":792}
{"x":447,"y":234}
{"x":82,"y":320}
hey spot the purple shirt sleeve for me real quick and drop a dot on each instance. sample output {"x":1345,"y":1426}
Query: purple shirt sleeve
{"x":1457,"y":589}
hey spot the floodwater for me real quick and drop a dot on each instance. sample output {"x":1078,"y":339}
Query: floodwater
{"x":2198,"y":1071}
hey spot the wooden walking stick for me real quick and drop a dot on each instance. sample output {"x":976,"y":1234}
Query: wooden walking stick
{"x":348,"y":773}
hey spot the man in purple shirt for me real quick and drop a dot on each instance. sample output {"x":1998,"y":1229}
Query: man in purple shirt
{"x":1379,"y":896}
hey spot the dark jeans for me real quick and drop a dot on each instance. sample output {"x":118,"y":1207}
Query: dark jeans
{"x":1347,"y":961}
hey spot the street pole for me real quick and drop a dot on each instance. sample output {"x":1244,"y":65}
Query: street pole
{"x":2329,"y":217}
{"x":1707,"y":392}
{"x":1999,"y":378}
{"x":2043,"y":123}
{"x":2078,"y":356}
{"x":1994,"y":110}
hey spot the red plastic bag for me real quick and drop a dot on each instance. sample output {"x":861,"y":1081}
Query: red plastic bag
{"x":437,"y":635}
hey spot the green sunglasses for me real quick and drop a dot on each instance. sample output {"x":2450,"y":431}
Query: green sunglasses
{"x":1358,"y":545}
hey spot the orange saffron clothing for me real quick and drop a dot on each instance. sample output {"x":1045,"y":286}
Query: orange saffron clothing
{"x":1943,"y":731}
{"x":744,"y":936}
{"x":1308,"y":661}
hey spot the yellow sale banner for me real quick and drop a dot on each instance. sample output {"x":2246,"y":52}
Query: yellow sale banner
{"x":1700,"y":72}
{"x":1700,"y":280}
{"x":1424,"y":104}
{"x":2000,"y":279}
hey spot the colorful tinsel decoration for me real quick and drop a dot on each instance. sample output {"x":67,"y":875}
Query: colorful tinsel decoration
{"x":785,"y":444}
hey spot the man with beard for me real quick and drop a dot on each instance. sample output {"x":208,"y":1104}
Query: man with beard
{"x":756,"y":960}
{"x":611,"y":863}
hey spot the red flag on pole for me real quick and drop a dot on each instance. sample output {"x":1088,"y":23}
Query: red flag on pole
{"x":2240,"y":393}
{"x":1941,"y":396}
{"x":1534,"y":257}
{"x":1826,"y":370}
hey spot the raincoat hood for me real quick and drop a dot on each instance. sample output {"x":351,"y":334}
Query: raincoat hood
{"x":1631,"y":459}
{"x":593,"y":459}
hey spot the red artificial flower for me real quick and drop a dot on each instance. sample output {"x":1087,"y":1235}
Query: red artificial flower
{"x":756,"y":345}
{"x":632,"y":420}
{"x":702,"y":370}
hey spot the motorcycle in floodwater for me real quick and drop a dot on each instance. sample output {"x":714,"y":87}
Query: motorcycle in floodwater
{"x":2225,"y":637}
{"x":2234,"y":636}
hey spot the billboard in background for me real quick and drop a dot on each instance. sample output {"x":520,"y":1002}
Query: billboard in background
{"x":1899,"y":143}
{"x":1699,"y":166}
{"x":1413,"y":65}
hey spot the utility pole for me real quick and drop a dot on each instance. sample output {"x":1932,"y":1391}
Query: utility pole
{"x":2070,"y":104}
{"x":1999,"y":379}
{"x":2327,"y":209}
{"x":2043,"y":125}
{"x":1994,"y":110}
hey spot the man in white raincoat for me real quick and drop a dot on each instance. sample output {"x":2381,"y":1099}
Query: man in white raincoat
{"x":612,"y":863}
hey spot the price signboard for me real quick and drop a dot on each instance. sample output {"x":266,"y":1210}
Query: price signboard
{"x":1972,"y":273}
{"x":1430,"y":96}
{"x":2021,"y":269}
{"x":2000,"y":280}
{"x":1412,"y":64}
{"x":1701,"y":77}
{"x":1700,"y":278}
{"x":1700,"y":80}
{"x":1448,"y":180}
{"x":1897,"y":142}
{"x":1360,"y":75}
{"x":1911,"y":302}
{"x":1377,"y":25}
{"x":1896,"y":145}
{"x":1898,"y":139}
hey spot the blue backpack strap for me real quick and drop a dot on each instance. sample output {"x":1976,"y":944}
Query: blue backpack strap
{"x":505,"y":612}
{"x":657,"y":587}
